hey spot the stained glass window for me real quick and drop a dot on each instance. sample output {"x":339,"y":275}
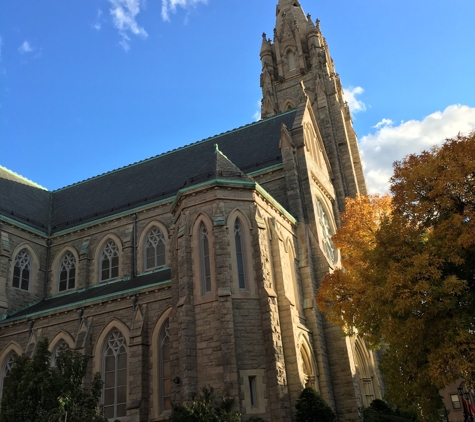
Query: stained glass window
{"x":154,"y":249}
{"x":115,"y":375}
{"x":109,"y":261}
{"x":205,"y":261}
{"x":238,"y":241}
{"x":67,"y":272}
{"x":22,"y":270}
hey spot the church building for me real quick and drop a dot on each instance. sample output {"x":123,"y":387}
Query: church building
{"x":200,"y":266}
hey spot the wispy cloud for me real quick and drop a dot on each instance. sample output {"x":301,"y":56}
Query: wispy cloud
{"x":170,"y":6}
{"x":257,"y":115}
{"x":124,"y":14}
{"x":354,"y":104}
{"x":392,"y":142}
{"x":97,"y":25}
{"x":25,"y":48}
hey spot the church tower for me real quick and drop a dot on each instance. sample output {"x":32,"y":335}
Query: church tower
{"x":297,"y":65}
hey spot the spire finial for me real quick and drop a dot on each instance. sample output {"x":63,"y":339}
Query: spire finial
{"x":216,"y":148}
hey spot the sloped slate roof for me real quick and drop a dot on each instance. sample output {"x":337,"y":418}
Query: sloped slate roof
{"x":80,"y":297}
{"x":24,"y":202}
{"x":250,"y":148}
{"x":217,"y":166}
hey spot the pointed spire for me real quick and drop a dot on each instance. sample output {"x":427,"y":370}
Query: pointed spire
{"x":311,"y":29}
{"x":290,"y":10}
{"x":265,"y":47}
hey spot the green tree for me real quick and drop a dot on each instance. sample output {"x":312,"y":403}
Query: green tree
{"x":39,"y":392}
{"x":379,"y":411}
{"x":312,"y":408}
{"x":208,"y":406}
{"x":409,"y":279}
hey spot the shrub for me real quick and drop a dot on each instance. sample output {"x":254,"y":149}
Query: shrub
{"x":312,"y":408}
{"x":208,"y":406}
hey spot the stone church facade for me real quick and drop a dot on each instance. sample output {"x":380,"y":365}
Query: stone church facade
{"x":200,"y":266}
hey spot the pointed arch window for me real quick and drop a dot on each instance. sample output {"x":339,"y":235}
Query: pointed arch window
{"x":6,"y":369}
{"x":67,"y":272}
{"x":291,"y":60}
{"x":327,"y":233}
{"x":205,"y":260}
{"x":307,"y":367}
{"x":241,"y":266}
{"x":164,"y":375}
{"x":109,"y":261}
{"x":154,"y":249}
{"x":115,"y":375}
{"x":60,"y":347}
{"x":22,"y":270}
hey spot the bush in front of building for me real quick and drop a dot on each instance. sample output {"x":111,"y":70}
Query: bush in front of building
{"x":312,"y":408}
{"x":208,"y":406}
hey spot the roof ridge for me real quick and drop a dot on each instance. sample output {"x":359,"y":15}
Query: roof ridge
{"x":174,"y":150}
{"x":25,"y":179}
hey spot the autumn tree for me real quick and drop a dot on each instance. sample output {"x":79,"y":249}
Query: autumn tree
{"x":409,"y":277}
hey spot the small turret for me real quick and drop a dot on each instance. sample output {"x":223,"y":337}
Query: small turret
{"x":266,"y":52}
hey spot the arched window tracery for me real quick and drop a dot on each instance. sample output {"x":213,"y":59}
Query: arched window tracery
{"x":61,"y":346}
{"x":154,"y":249}
{"x":22,"y":270}
{"x":164,"y":375}
{"x":67,"y":272}
{"x":6,"y":369}
{"x":114,"y":370}
{"x":327,"y":233}
{"x":109,"y":261}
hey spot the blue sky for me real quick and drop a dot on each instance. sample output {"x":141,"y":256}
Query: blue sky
{"x":90,"y":86}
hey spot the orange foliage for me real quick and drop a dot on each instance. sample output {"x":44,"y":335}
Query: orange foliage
{"x":409,"y":277}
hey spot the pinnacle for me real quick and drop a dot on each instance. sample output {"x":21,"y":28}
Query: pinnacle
{"x":290,"y":10}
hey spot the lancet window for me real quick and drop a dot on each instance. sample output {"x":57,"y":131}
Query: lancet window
{"x":327,"y":233}
{"x":205,"y":260}
{"x":238,"y":240}
{"x":67,"y":272}
{"x":291,"y":60}
{"x":109,"y":261}
{"x":115,"y":375}
{"x":22,"y":270}
{"x":154,"y":249}
{"x":164,"y":375}
{"x":6,"y":369}
{"x":61,"y":346}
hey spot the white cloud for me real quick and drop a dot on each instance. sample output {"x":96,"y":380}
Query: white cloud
{"x":25,"y":47}
{"x":170,"y":6}
{"x":393,"y":142}
{"x":257,"y":115}
{"x":350,"y":96}
{"x":382,"y":123}
{"x":97,"y":25}
{"x":123,"y":14}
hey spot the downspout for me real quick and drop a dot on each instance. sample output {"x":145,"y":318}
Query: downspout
{"x":48,"y":253}
{"x":48,"y":245}
{"x":134,"y":240}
